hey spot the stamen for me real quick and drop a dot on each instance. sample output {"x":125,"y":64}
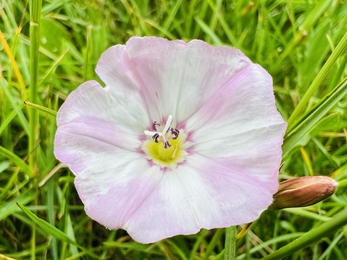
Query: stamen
{"x":155,"y":137}
{"x":175,"y":132}
{"x":154,"y":126}
{"x":167,"y":144}
{"x":166,"y":134}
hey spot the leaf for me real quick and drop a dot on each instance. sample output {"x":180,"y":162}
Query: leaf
{"x":41,"y":108}
{"x":46,"y":226}
{"x":313,"y":117}
{"x":15,"y":159}
{"x":340,"y":48}
{"x":339,"y":220}
{"x":10,"y":207}
{"x":53,"y":230}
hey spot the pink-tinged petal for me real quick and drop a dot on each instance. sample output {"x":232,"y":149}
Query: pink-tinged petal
{"x":126,"y":193}
{"x":201,"y":194}
{"x":90,"y":100}
{"x":99,"y":163}
{"x":77,"y":142}
{"x":240,"y":125}
{"x":174,"y":77}
{"x":85,"y":146}
{"x":242,"y":104}
{"x":118,"y":72}
{"x":95,"y":130}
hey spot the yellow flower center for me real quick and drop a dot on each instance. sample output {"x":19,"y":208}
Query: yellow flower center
{"x":165,"y":147}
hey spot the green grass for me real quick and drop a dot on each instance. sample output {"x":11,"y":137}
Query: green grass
{"x":301,"y":43}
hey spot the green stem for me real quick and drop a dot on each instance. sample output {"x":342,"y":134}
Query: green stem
{"x":305,"y":240}
{"x":41,"y":108}
{"x":230,"y":243}
{"x":35,"y":13}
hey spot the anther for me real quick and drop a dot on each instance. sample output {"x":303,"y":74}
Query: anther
{"x":155,"y":137}
{"x":154,"y":126}
{"x":175,"y":132}
{"x":163,"y":134}
{"x":167,"y":144}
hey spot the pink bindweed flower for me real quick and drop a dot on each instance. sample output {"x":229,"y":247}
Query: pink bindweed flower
{"x":183,"y":136}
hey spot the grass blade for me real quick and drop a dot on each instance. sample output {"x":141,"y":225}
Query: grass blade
{"x":313,"y":117}
{"x":340,"y":48}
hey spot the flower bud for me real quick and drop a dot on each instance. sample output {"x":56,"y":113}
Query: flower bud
{"x":303,"y":191}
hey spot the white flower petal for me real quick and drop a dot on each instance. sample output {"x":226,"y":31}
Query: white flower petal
{"x":240,"y":125}
{"x":177,"y":78}
{"x":202,"y":194}
{"x":90,"y":100}
{"x":112,"y":196}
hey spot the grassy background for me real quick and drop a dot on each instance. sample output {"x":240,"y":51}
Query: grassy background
{"x":291,"y":39}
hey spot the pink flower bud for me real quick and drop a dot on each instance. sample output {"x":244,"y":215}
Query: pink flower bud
{"x":303,"y":191}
